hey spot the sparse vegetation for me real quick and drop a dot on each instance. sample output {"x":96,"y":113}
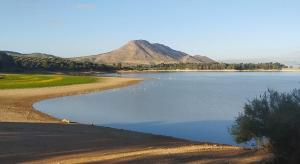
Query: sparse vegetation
{"x":274,"y":119}
{"x":13,"y":81}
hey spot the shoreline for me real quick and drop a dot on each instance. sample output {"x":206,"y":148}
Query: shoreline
{"x":16,"y":104}
{"x":190,"y":70}
{"x":52,"y":141}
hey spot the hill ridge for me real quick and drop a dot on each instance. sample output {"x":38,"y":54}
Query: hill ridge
{"x":136,"y":52}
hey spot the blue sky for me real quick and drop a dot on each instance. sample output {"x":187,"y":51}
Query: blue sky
{"x":221,"y":29}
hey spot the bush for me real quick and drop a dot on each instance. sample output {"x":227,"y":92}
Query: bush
{"x":275,"y":117}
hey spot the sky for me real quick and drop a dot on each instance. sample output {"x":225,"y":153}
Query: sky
{"x":220,"y":29}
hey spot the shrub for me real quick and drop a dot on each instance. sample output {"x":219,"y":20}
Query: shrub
{"x":275,"y":117}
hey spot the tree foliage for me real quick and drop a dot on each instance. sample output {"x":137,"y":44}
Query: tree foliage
{"x":209,"y":66}
{"x":275,"y":117}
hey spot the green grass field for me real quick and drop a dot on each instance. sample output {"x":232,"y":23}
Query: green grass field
{"x":13,"y":81}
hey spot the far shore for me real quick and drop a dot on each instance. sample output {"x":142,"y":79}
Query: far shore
{"x":30,"y":136}
{"x":220,"y":70}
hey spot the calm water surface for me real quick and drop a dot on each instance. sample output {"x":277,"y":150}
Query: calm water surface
{"x":198,"y":106}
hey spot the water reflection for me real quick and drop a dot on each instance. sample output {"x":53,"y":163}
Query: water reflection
{"x":205,"y":131}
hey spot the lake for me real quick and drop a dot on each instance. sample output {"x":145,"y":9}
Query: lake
{"x":198,"y":106}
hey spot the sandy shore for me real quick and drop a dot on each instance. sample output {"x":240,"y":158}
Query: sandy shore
{"x":16,"y":104}
{"x":29,"y":136}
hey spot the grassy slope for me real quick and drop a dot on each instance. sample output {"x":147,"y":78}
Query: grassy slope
{"x":14,"y":81}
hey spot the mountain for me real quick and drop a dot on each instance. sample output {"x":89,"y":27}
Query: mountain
{"x":12,"y":53}
{"x":204,"y":59}
{"x":143,"y":52}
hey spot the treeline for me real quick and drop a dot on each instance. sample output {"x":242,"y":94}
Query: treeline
{"x":29,"y":63}
{"x":208,"y":66}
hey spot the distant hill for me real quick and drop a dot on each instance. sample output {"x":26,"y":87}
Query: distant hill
{"x":289,"y":60}
{"x":12,"y":53}
{"x":17,"y":62}
{"x":137,"y":52}
{"x":41,"y":55}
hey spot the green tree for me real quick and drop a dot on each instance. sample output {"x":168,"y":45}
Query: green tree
{"x":275,"y":117}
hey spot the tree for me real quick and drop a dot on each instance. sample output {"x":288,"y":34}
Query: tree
{"x":119,"y":65}
{"x":275,"y":117}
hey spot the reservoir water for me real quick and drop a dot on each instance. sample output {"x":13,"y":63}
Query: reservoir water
{"x":198,"y":106}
